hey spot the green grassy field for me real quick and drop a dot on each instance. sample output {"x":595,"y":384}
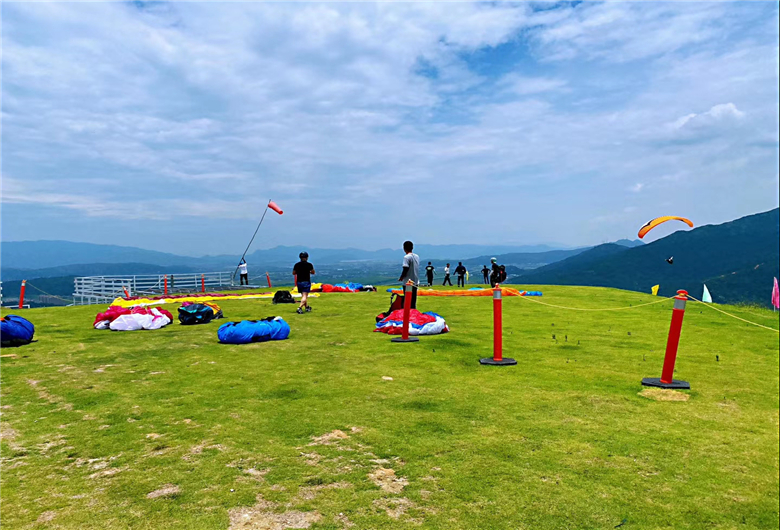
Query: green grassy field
{"x":169,"y":429}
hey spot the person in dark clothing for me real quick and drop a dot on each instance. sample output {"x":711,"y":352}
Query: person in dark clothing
{"x":460,"y":270}
{"x":302,"y":272}
{"x":447,"y":275}
{"x":495,"y":274}
{"x":429,"y":273}
{"x":411,"y":270}
{"x":485,"y":274}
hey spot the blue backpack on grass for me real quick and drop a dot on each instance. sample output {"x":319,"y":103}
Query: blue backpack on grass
{"x":15,"y":331}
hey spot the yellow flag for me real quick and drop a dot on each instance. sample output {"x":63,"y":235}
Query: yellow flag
{"x":654,"y":290}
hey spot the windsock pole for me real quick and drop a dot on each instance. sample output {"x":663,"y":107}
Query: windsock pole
{"x":268,"y":278}
{"x":498,"y":331}
{"x":202,"y":283}
{"x":666,"y":380}
{"x":21,"y":294}
{"x":408,"y":286}
{"x":165,"y":285}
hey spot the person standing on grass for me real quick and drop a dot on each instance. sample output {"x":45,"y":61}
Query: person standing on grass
{"x":243,"y":272}
{"x":460,"y":270}
{"x":485,"y":274}
{"x":495,"y":274}
{"x":411,"y":270}
{"x":429,"y":273}
{"x":447,"y":275}
{"x":302,"y":272}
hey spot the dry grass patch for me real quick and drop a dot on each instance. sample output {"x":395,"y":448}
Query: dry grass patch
{"x":262,"y":517}
{"x":329,"y":438}
{"x":168,"y":490}
{"x":663,"y":394}
{"x":386,"y":479}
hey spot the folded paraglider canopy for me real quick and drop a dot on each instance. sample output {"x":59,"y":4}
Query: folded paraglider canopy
{"x":247,"y":331}
{"x":419,"y":323}
{"x":16,"y":331}
{"x":132,"y":319}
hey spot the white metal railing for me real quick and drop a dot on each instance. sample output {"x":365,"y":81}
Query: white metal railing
{"x":103,"y":289}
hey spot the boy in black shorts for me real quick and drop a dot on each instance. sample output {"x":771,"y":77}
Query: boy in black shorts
{"x":302,"y":272}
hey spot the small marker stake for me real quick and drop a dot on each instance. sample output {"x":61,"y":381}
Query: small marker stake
{"x":498,"y":359}
{"x":165,"y":288}
{"x":202,"y":283}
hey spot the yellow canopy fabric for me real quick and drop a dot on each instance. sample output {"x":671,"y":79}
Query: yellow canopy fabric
{"x":658,"y":220}
{"x":505,"y":291}
{"x":195,"y":299}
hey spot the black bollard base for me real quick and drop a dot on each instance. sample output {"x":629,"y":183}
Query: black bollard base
{"x":675,"y":384}
{"x":401,"y":339}
{"x":506,"y":361}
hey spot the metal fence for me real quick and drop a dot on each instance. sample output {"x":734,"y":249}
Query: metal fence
{"x":104,"y":289}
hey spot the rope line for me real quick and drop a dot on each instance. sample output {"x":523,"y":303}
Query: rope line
{"x":531,"y":299}
{"x":49,"y":294}
{"x":733,"y":316}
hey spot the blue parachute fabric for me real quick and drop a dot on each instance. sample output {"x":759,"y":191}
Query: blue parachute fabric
{"x":351,"y":286}
{"x":533,"y":293}
{"x":248,"y":331}
{"x":16,"y":331}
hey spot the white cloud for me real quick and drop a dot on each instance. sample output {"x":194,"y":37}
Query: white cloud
{"x":717,"y":114}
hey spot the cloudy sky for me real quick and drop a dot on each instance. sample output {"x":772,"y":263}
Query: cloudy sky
{"x":169,"y":126}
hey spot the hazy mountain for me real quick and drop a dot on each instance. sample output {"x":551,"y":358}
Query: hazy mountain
{"x":737,"y":260}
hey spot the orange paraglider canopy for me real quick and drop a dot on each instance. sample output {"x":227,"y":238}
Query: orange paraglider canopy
{"x":658,"y":220}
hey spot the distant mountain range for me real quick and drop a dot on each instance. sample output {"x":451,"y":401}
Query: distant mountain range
{"x":737,"y":260}
{"x":77,"y":258}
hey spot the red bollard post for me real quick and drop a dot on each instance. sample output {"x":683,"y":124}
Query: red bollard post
{"x":127,"y":295}
{"x":21,"y":294}
{"x":202,"y":283}
{"x":165,"y":288}
{"x":498,"y":337}
{"x":666,"y":380}
{"x":407,"y":311}
{"x":268,"y":277}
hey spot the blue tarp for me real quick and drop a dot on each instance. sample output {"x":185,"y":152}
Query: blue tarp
{"x":248,"y":331}
{"x":16,"y":331}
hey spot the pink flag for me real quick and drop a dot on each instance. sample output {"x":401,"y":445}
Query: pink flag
{"x":776,"y":296}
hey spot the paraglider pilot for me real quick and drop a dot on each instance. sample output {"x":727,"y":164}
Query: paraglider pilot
{"x":411,"y":270}
{"x":302,"y":272}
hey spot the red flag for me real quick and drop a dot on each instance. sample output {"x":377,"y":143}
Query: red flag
{"x":272,"y":205}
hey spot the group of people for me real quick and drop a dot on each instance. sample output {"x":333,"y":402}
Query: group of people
{"x":303,"y":271}
{"x":494,"y":275}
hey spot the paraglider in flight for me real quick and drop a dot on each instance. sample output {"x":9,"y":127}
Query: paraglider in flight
{"x":658,"y":220}
{"x":670,"y":260}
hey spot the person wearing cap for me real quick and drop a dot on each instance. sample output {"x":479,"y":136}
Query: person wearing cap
{"x":447,"y":275}
{"x":411,"y":270}
{"x":302,"y":272}
{"x":495,"y":275}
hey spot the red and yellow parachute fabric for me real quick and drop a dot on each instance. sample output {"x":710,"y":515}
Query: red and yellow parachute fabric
{"x":658,"y":220}
{"x":505,"y":291}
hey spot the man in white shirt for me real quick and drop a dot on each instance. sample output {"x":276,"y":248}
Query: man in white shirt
{"x":411,"y":270}
{"x":244,"y":272}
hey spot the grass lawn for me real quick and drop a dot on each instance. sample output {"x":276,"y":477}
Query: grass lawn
{"x":170,"y":429}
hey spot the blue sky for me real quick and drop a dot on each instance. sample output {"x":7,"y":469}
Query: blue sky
{"x":168,"y":126}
